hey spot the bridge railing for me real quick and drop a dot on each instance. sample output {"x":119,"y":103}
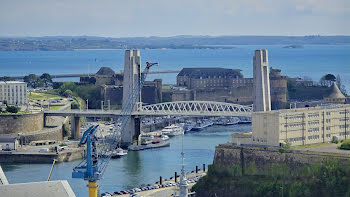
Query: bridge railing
{"x":196,"y":108}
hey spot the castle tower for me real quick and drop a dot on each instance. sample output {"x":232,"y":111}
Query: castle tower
{"x":262,"y":100}
{"x":132,"y":75}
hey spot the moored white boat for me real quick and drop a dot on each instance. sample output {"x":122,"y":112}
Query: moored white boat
{"x":173,"y":130}
{"x":119,"y":152}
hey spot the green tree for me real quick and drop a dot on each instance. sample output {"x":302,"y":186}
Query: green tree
{"x":327,"y":80}
{"x":67,"y":86}
{"x":47,"y":79}
{"x":33,"y":81}
{"x":68,"y":93}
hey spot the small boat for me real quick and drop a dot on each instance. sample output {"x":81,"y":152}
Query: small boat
{"x":188,"y":126}
{"x":119,"y":152}
{"x":231,"y":121}
{"x":173,"y":130}
{"x":146,"y":141}
{"x":164,"y":137}
{"x":245,"y":120}
{"x":201,"y":125}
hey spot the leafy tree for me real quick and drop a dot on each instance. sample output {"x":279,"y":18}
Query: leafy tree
{"x":68,"y":93}
{"x":47,"y":79}
{"x":33,"y":81}
{"x":67,"y":86}
{"x":340,"y":84}
{"x":327,"y":80}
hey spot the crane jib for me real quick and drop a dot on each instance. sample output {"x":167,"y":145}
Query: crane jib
{"x":97,"y":158}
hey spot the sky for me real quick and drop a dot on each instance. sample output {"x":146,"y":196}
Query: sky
{"x":130,"y":18}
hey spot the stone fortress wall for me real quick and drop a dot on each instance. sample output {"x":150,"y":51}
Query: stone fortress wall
{"x":228,"y":154}
{"x":238,"y":90}
{"x":21,"y":123}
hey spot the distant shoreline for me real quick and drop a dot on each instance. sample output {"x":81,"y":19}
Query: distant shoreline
{"x":96,"y":49}
{"x":176,"y":42}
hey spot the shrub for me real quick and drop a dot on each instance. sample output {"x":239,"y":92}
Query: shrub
{"x":75,"y":106}
{"x":52,"y":149}
{"x":345,"y":145}
{"x":63,"y":144}
{"x":12,"y":109}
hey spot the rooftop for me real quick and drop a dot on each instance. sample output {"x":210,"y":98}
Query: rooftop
{"x":38,"y":189}
{"x":329,"y":106}
{"x":105,"y":71}
{"x":205,"y":72}
{"x":335,"y":93}
{"x":12,"y":82}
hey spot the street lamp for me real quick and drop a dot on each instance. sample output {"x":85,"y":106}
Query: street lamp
{"x":87,"y":104}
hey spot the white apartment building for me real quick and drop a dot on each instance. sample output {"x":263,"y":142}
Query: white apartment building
{"x":13,"y":92}
{"x":301,"y":126}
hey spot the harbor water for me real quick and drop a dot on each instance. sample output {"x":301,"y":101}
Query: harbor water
{"x":138,"y":167}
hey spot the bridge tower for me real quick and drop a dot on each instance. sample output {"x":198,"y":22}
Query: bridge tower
{"x":262,"y":100}
{"x":132,"y":75}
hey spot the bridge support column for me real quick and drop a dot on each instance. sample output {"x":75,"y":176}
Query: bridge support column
{"x":75,"y":127}
{"x":44,"y":121}
{"x":131,"y":132}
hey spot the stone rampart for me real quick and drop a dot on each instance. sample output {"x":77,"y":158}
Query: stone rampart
{"x":21,"y":123}
{"x":227,"y":154}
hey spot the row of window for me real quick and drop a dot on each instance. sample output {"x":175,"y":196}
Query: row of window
{"x":296,"y":139}
{"x":314,"y":122}
{"x":260,"y":139}
{"x":314,"y":129}
{"x":313,"y":137}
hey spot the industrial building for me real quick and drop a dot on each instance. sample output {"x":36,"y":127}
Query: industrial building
{"x":13,"y":92}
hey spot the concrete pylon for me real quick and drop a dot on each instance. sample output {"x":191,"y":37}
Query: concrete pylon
{"x":75,"y":127}
{"x":262,"y":99}
{"x":132,"y":75}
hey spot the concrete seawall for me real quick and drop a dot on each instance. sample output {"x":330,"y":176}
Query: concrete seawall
{"x":16,"y":157}
{"x":227,"y":154}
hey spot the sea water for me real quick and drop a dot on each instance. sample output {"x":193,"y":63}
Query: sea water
{"x":312,"y":61}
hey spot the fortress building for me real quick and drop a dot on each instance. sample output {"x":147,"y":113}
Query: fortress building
{"x":111,"y":85}
{"x":229,"y":85}
{"x":335,"y":96}
{"x":195,"y":78}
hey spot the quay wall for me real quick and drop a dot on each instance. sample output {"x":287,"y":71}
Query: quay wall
{"x":228,"y":154}
{"x":21,"y":123}
{"x":66,"y":156}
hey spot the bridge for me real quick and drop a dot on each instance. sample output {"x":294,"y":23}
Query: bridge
{"x":179,"y":108}
{"x":195,"y":108}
